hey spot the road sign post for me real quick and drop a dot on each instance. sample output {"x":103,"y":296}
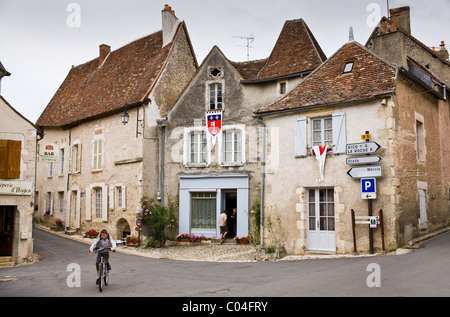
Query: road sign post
{"x":363,"y":148}
{"x":366,"y":171}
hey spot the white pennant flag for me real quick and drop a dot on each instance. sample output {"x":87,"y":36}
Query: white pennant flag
{"x":321,"y":153}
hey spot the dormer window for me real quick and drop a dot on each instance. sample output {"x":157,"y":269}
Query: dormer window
{"x":348,"y":67}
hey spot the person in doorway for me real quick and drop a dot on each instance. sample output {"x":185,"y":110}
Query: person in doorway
{"x":103,"y":244}
{"x":223,"y":225}
{"x":234,"y":222}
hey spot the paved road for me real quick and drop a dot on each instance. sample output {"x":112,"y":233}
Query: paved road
{"x":424,"y":272}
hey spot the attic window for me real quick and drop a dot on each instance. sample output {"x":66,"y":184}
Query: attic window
{"x":215,"y":72}
{"x":348,"y":67}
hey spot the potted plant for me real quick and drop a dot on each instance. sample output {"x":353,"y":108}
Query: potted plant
{"x":243,"y":240}
{"x":92,"y":234}
{"x":59,"y":224}
{"x":184,"y":237}
{"x":132,"y":240}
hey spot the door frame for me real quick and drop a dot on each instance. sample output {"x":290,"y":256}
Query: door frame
{"x":10,"y":249}
{"x":320,"y":240}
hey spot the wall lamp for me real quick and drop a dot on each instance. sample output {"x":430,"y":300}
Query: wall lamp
{"x":125,"y":117}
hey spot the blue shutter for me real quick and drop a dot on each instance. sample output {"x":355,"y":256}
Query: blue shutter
{"x":339,"y":133}
{"x":300,"y":137}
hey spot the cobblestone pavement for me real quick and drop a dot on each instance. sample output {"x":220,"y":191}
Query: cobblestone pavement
{"x":210,"y":252}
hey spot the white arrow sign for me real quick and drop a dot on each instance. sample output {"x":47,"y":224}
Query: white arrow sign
{"x":366,"y":171}
{"x":363,"y":148}
{"x":363,"y":160}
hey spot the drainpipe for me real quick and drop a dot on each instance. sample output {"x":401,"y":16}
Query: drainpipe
{"x":445,"y":92}
{"x":263,"y":176}
{"x":163,"y":137}
{"x":39,"y":137}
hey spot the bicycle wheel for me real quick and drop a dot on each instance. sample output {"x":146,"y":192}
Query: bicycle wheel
{"x":100,"y":277}
{"x":106,"y":275}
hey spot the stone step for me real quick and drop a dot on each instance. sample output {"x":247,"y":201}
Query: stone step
{"x":6,"y":261}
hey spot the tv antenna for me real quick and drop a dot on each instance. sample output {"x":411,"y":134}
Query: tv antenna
{"x":249,"y":40}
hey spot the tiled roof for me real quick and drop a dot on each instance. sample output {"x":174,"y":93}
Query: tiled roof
{"x":370,"y":77}
{"x":91,"y":91}
{"x":295,"y":52}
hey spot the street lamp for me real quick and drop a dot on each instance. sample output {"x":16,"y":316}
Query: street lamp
{"x":125,"y":116}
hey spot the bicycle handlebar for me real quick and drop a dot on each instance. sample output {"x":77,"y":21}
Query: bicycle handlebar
{"x":108,"y":249}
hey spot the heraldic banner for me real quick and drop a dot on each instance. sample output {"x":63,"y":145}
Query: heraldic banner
{"x":214,"y":125}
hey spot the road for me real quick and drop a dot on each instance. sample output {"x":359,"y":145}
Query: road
{"x":424,"y":272}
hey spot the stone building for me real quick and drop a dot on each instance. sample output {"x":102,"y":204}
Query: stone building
{"x":208,"y":177}
{"x":105,"y":166}
{"x":17,"y":182}
{"x":396,"y":89}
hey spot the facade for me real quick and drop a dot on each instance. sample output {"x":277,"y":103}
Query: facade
{"x":208,"y":177}
{"x":105,"y":166}
{"x":403,"y":107}
{"x":17,"y":181}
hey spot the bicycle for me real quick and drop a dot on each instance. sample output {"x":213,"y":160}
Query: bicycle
{"x":103,"y":272}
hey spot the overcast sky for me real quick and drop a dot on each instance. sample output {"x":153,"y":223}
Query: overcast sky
{"x":38,"y":46}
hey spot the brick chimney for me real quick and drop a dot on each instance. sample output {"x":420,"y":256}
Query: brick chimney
{"x":443,"y":52}
{"x":104,"y":52}
{"x":402,"y":18}
{"x":169,"y":24}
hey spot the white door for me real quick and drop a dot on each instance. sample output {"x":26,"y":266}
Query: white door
{"x":321,"y":222}
{"x":423,"y":209}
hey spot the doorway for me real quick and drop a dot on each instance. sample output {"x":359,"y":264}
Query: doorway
{"x":230,"y":204}
{"x":321,"y":220}
{"x":6,"y":230}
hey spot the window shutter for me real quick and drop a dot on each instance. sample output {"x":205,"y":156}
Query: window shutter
{"x":78,"y":159}
{"x":88,"y":203}
{"x":78,"y":210}
{"x":124,"y":197}
{"x":339,"y":133}
{"x":300,"y":137}
{"x":3,"y":158}
{"x":51,"y":203}
{"x":94,"y":163}
{"x":100,"y":154}
{"x":67,"y":213}
{"x":45,"y":203}
{"x":14,"y":158}
{"x":104,"y":203}
{"x":111,"y":197}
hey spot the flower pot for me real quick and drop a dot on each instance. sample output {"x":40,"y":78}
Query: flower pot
{"x":242,"y":242}
{"x":184,"y":240}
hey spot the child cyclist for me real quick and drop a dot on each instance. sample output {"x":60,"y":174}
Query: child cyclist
{"x":105,"y":241}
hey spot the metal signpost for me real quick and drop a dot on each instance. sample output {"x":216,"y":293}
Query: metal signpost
{"x":368,"y":175}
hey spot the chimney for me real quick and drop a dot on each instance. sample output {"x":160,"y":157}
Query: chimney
{"x":104,"y":52}
{"x":169,"y":24}
{"x":443,"y":51}
{"x":402,"y":18}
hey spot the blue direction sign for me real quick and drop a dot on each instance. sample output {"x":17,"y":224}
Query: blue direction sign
{"x":368,"y":188}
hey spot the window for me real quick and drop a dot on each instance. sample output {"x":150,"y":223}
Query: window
{"x":61,"y":202}
{"x":203,"y":211}
{"x":282,"y":88}
{"x":61,"y":162}
{"x":232,"y":141}
{"x":49,"y":169}
{"x":75,"y":159}
{"x":423,"y":209}
{"x":348,"y":67}
{"x":322,"y":131}
{"x":198,"y":147}
{"x":215,"y":72}
{"x":10,"y":157}
{"x":98,"y":155}
{"x":98,"y":202}
{"x":121,"y":197}
{"x":215,"y":97}
{"x":420,"y":141}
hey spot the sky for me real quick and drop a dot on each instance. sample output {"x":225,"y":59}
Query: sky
{"x":41,"y":40}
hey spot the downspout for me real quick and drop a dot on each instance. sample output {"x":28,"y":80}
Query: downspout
{"x":263,"y":176}
{"x":163,"y":137}
{"x":445,"y":92}
{"x":39,"y":137}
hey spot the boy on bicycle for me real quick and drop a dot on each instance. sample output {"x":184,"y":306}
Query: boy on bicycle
{"x":104,"y":242}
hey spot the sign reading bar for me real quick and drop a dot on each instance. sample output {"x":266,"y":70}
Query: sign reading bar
{"x":48,"y":152}
{"x":363,"y":160}
{"x":15,"y":188}
{"x":363,"y":148}
{"x":366,"y":171}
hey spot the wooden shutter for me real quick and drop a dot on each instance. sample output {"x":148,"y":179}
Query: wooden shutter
{"x":111,"y":197}
{"x":3,"y":158}
{"x":51,"y":203}
{"x":300,"y":137}
{"x":339,"y":133}
{"x":78,"y":210}
{"x":10,"y":157}
{"x":124,"y":197}
{"x":88,"y":203}
{"x":104,"y":203}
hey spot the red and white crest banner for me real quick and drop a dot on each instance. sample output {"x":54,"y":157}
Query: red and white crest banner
{"x":214,"y":124}
{"x":321,"y":153}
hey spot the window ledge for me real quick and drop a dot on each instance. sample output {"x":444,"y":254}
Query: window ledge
{"x":194,"y":165}
{"x":129,"y":161}
{"x":232,"y":164}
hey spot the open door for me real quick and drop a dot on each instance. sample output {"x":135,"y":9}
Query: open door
{"x":6,"y":230}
